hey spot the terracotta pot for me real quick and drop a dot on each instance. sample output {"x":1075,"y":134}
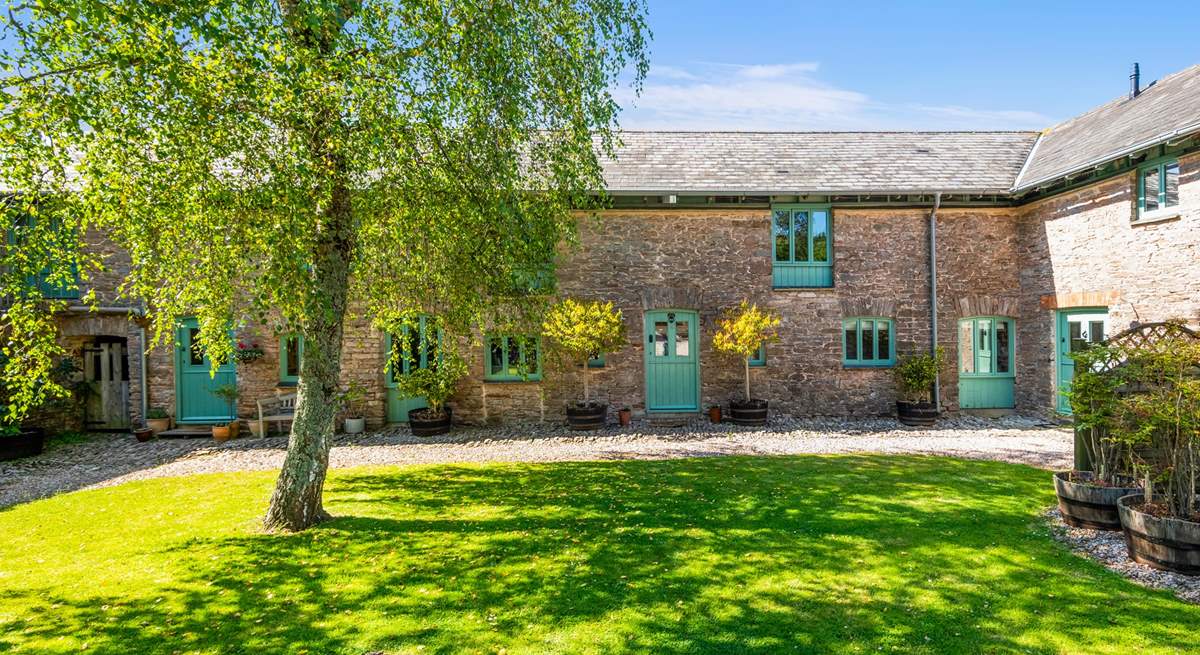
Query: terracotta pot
{"x":222,"y":433}
{"x":143,"y":434}
{"x":714,"y":414}
{"x":624,"y":416}
{"x":159,"y":424}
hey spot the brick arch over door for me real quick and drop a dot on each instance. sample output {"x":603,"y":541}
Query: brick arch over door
{"x":969,"y":306}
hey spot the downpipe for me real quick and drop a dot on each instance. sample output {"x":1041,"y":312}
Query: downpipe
{"x":933,"y":298}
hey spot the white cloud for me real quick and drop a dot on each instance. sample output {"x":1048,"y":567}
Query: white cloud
{"x":712,"y":96}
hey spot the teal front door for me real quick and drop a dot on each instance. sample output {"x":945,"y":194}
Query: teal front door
{"x":406,"y":352}
{"x":1077,"y":329}
{"x":672,"y":361}
{"x":195,"y":401}
{"x":986,"y":357}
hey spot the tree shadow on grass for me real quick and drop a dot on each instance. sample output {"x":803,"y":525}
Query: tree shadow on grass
{"x":745,"y":555}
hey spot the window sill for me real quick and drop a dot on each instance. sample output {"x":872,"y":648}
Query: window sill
{"x":789,"y":289}
{"x":1157,"y":216}
{"x":529,"y":381}
{"x":867,"y":367}
{"x":286,"y":384}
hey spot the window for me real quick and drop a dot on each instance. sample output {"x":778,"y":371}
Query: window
{"x":413,"y":349}
{"x":1158,"y":187}
{"x":760,"y":357}
{"x":512,"y":359}
{"x":868,"y":342}
{"x":65,"y":285}
{"x":291,"y":351}
{"x":802,"y":246}
{"x":985,"y":347}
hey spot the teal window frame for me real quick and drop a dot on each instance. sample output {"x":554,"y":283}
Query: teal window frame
{"x":424,"y":324}
{"x":284,"y":349}
{"x":1159,"y":166}
{"x":45,"y":288}
{"x":876,"y":361}
{"x":992,"y":349}
{"x":806,"y":272}
{"x":524,"y":373}
{"x":759,"y":358}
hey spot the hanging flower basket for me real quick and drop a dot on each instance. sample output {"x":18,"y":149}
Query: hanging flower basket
{"x":247,"y":352}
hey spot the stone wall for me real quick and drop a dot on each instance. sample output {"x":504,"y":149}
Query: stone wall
{"x":1083,"y":249}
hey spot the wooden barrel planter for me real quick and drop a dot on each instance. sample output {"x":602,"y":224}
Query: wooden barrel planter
{"x":26,"y":443}
{"x":916,"y":414}
{"x":591,"y":416}
{"x":1164,"y":543}
{"x":1089,"y":506}
{"x":753,"y":412}
{"x":423,"y":425}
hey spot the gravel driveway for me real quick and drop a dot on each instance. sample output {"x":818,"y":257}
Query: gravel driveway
{"x":105,"y":460}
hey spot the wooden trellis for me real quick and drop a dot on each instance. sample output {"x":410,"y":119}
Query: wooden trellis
{"x":1148,"y":337}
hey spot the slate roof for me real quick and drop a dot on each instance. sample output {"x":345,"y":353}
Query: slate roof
{"x":1167,"y":109}
{"x":763,"y":163}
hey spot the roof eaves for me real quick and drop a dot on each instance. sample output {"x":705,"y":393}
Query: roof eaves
{"x":1097,"y":161}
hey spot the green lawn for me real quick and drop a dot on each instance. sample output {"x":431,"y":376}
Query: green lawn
{"x":849,"y":554}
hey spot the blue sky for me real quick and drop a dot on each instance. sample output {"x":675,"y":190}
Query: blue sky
{"x":900,"y":65}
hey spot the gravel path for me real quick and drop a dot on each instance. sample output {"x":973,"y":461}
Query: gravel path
{"x":105,"y":460}
{"x":1108,"y":549}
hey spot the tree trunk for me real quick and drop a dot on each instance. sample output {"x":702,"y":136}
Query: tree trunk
{"x":747,"y":365}
{"x":587,"y":374}
{"x":296,"y":502}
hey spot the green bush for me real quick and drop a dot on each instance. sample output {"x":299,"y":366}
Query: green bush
{"x":437,"y":382}
{"x":916,"y":373}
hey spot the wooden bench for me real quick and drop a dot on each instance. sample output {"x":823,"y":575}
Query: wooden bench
{"x":277,"y":409}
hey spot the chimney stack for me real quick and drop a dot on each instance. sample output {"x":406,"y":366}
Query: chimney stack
{"x":1135,"y":82}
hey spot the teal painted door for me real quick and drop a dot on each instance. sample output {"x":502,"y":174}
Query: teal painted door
{"x":672,"y":361}
{"x":195,"y":401}
{"x":406,"y":353}
{"x":986,"y":356}
{"x":1077,"y":329}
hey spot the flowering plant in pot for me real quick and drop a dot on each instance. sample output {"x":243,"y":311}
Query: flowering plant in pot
{"x":435,"y":383}
{"x":740,"y":333}
{"x":1159,"y":417}
{"x":230,"y":430}
{"x":577,"y":332}
{"x":915,"y":375}
{"x":352,"y":399}
{"x":1088,"y":498}
{"x":247,"y":352}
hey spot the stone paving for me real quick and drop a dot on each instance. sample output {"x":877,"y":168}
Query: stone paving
{"x":108,"y":459}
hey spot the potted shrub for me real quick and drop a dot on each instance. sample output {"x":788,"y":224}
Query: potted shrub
{"x":740,"y":333}
{"x":17,"y":442}
{"x":355,"y":421}
{"x":1088,"y":499}
{"x":915,"y":375}
{"x":1160,"y":416}
{"x":436,"y":384}
{"x":625,"y":416}
{"x":230,"y":430}
{"x":158,"y":419}
{"x":579,"y":331}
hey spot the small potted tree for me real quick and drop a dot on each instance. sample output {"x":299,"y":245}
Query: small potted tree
{"x":436,"y":384}
{"x":740,"y":333}
{"x":230,"y":430}
{"x":1088,"y":498}
{"x":1160,"y":416}
{"x":579,"y":331}
{"x":915,"y":375}
{"x":355,"y":421}
{"x":17,"y":442}
{"x":158,"y":420}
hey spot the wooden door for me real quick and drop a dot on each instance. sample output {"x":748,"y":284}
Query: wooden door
{"x":106,"y":370}
{"x":672,"y":361}
{"x":1077,"y":329}
{"x":195,"y":401}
